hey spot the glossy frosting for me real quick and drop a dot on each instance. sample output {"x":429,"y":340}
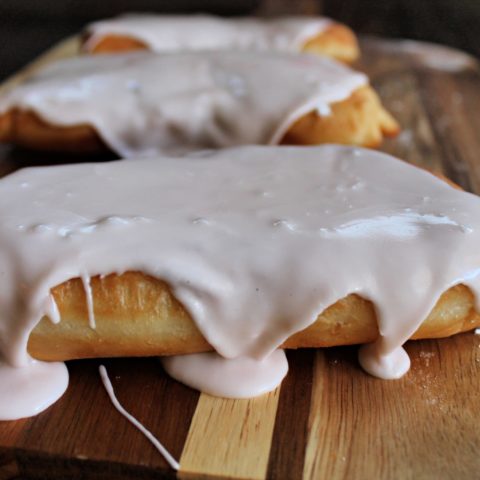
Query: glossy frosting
{"x":166,"y":33}
{"x":254,"y":241}
{"x":143,"y":103}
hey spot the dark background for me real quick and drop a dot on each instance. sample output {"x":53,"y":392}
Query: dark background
{"x":27,"y":27}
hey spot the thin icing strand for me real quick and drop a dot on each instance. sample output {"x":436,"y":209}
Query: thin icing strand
{"x":89,"y":298}
{"x":149,"y":435}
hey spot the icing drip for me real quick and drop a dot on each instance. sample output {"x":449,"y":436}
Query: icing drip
{"x":165,"y":33}
{"x":241,"y":377}
{"x":89,"y":297}
{"x":388,"y":365}
{"x":255,"y":242}
{"x":28,"y":390}
{"x":51,"y":310}
{"x":149,"y":435}
{"x":184,"y":101}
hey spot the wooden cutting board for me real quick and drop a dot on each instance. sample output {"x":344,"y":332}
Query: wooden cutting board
{"x":328,"y":419}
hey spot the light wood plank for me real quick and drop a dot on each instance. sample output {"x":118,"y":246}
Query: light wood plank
{"x":230,"y":438}
{"x":396,"y":82}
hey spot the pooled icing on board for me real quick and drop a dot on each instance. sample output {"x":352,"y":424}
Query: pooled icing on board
{"x":239,"y":377}
{"x":170,"y":33}
{"x":141,"y":104}
{"x":255,"y":242}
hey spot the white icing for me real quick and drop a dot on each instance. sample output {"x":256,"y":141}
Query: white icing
{"x":51,"y":309}
{"x":167,"y":33}
{"x":148,"y":434}
{"x":255,"y":242}
{"x":28,"y":390}
{"x":240,"y":377}
{"x":386,"y":365}
{"x":89,"y":298}
{"x":142,"y":103}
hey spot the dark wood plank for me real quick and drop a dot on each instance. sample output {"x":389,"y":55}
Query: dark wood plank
{"x":84,"y":432}
{"x":10,"y":432}
{"x":291,"y":429}
{"x":7,"y":165}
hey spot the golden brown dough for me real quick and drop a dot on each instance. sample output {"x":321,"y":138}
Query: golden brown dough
{"x":336,"y":41}
{"x":115,"y":44}
{"x":27,"y":129}
{"x":358,"y":120}
{"x":137,"y":315}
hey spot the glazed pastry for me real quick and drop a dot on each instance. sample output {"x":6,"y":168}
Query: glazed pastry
{"x":169,"y":33}
{"x":243,"y":251}
{"x":141,"y":104}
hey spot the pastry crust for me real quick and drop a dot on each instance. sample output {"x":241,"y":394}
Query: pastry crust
{"x":358,"y":120}
{"x":26,"y":129}
{"x":137,"y":315}
{"x":113,"y":44}
{"x":336,"y":41}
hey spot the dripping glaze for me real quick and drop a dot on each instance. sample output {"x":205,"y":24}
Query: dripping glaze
{"x":338,"y":220}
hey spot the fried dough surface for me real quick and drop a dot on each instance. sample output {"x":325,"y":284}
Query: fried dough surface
{"x":359,"y":120}
{"x":137,"y":315}
{"x":26,"y":129}
{"x":337,"y":41}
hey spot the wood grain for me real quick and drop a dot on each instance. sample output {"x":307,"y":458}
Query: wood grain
{"x":453,"y":104}
{"x":230,"y":438}
{"x":422,"y":426}
{"x":329,"y":419}
{"x":290,"y":435}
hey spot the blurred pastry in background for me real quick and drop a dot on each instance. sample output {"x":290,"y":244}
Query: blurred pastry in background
{"x":139,"y":104}
{"x":171,"y":33}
